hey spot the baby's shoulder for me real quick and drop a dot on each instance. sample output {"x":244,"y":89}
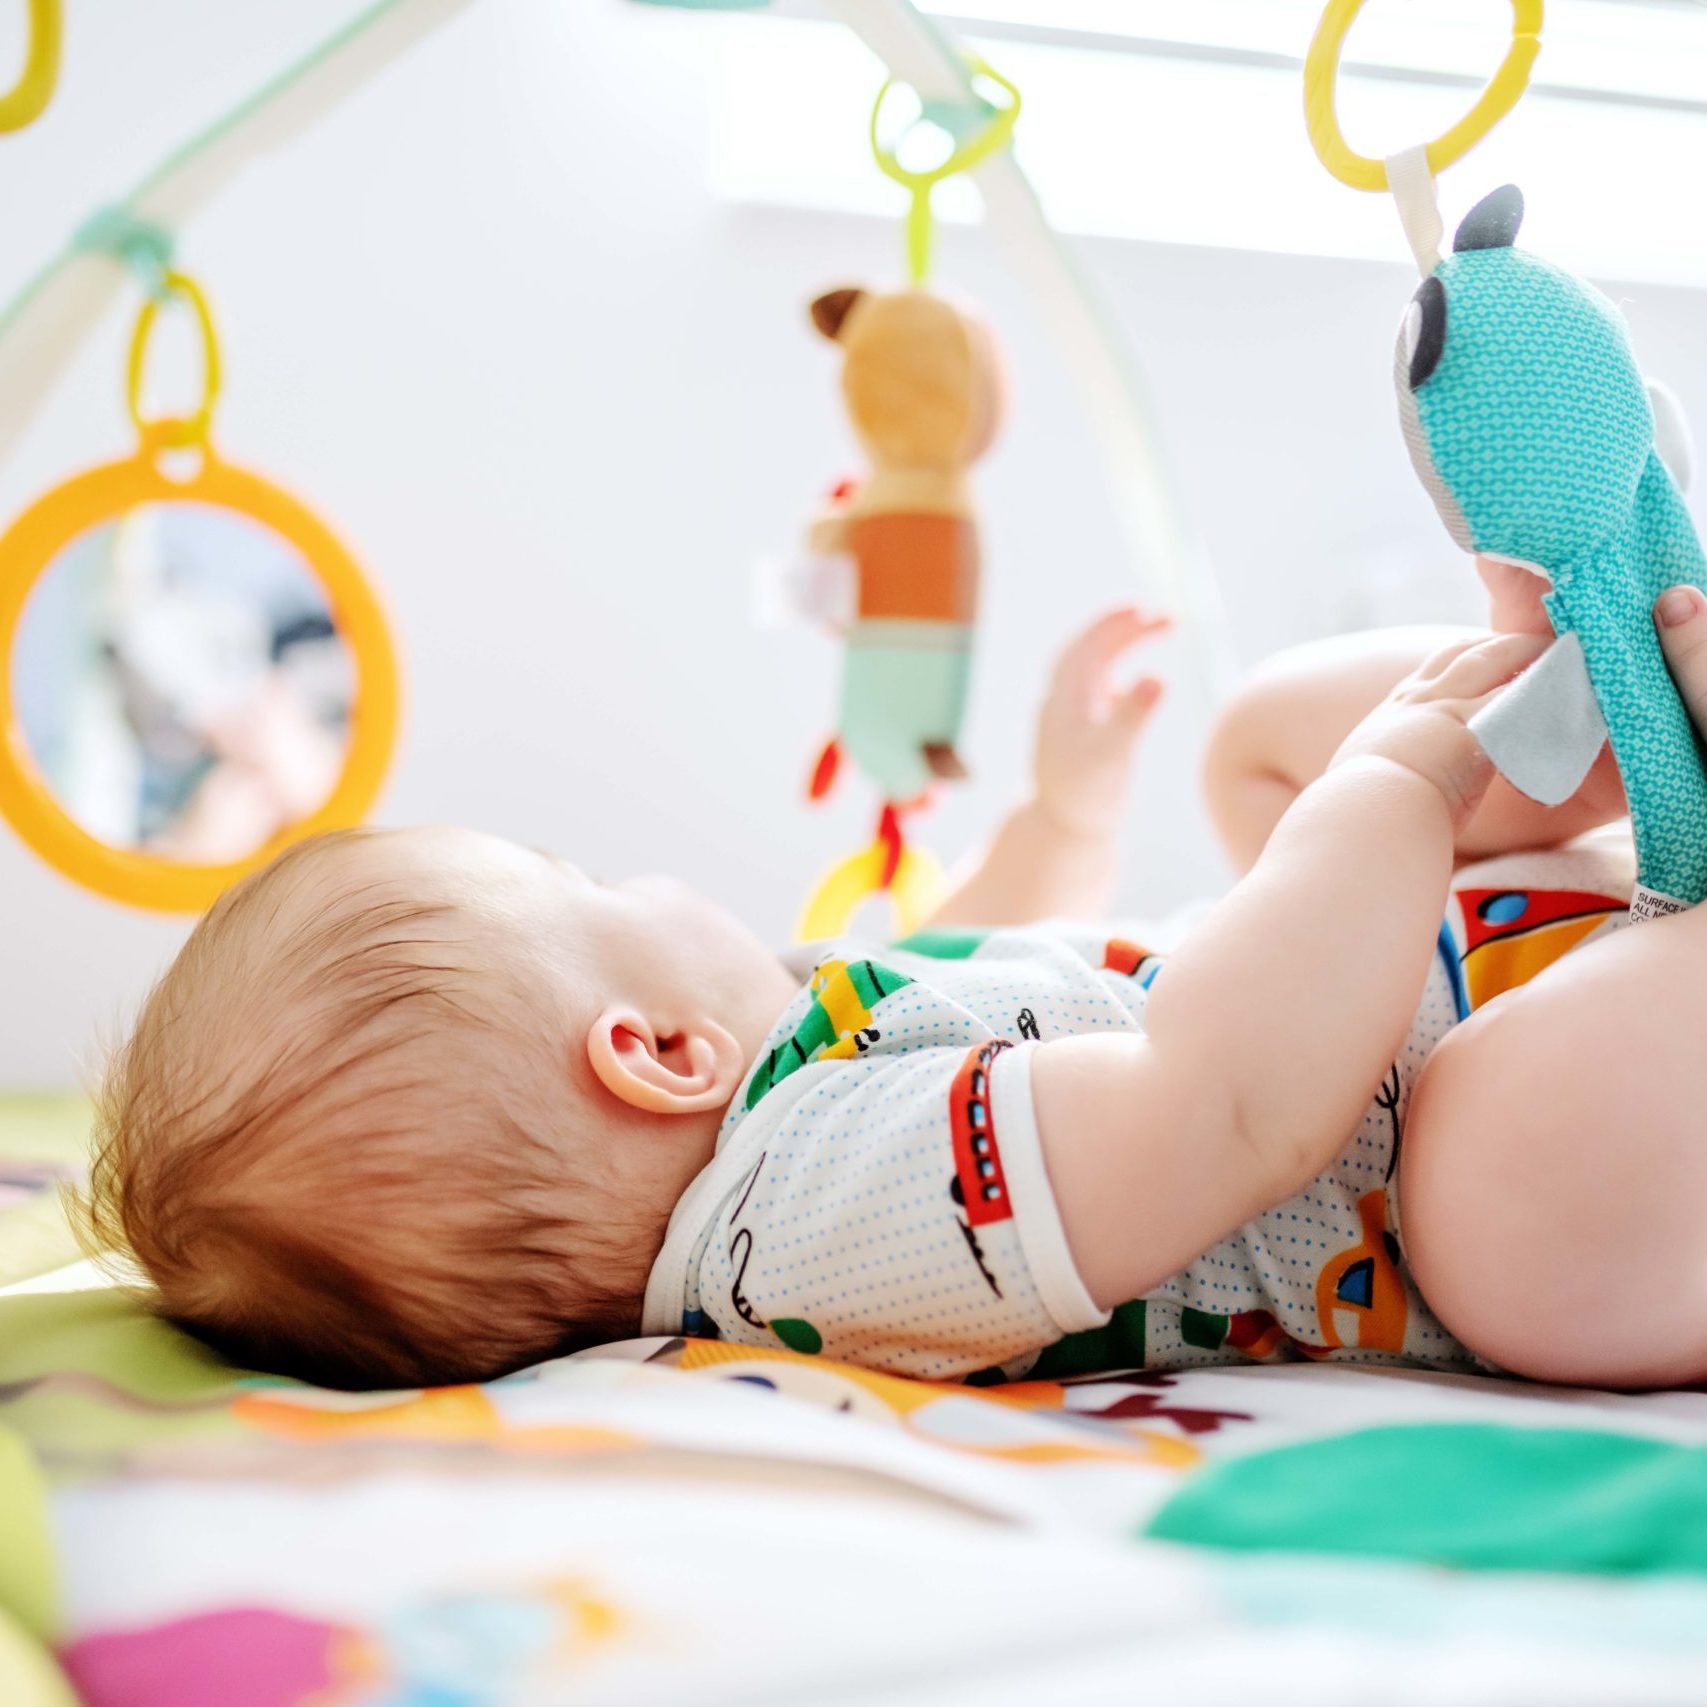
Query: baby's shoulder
{"x":860,"y":1001}
{"x":864,"y":1004}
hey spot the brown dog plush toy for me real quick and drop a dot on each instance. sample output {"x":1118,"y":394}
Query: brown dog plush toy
{"x":921,"y":381}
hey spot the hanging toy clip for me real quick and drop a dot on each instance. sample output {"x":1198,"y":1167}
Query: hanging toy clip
{"x":979,"y":130}
{"x":174,"y":432}
{"x":1410,"y":174}
{"x":1498,"y":97}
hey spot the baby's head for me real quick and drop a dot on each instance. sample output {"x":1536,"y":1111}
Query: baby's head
{"x":414,"y":1106}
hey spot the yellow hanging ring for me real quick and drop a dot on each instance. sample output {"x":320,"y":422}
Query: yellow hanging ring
{"x":174,"y":432}
{"x":1321,"y":78}
{"x":964,"y":157}
{"x":27,"y":99}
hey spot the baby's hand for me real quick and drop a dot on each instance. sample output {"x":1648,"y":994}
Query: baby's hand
{"x":1088,"y":728}
{"x":1423,"y":723}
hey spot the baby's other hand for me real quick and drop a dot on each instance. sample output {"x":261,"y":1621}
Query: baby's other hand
{"x":1423,"y":724}
{"x":1088,"y":727}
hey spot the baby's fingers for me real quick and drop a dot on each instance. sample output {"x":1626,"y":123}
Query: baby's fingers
{"x":1476,"y":670}
{"x":1132,"y":709}
{"x":1092,"y":652}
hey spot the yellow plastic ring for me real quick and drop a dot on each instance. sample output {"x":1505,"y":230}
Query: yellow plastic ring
{"x":27,"y":99}
{"x":912,"y":892}
{"x":967,"y":155}
{"x":174,"y":432}
{"x":1321,"y":78}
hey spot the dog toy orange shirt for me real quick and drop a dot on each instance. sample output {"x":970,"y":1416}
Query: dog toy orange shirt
{"x":920,"y":380}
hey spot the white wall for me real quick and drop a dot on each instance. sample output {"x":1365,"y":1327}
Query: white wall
{"x":490,"y":322}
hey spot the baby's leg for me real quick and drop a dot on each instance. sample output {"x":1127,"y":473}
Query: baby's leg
{"x":1286,"y":722}
{"x":1553,"y":1181}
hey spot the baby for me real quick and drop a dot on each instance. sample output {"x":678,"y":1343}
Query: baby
{"x":422,"y":1106}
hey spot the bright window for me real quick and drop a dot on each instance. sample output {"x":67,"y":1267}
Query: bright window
{"x":1180,"y":121}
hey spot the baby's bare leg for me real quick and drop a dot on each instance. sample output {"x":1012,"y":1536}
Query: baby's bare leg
{"x":1553,"y":1183}
{"x":1282,"y":728}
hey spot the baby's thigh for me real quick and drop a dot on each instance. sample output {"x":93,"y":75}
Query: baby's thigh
{"x":1554,"y":1171}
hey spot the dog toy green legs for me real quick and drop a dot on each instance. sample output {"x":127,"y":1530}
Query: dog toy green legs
{"x":1530,"y":424}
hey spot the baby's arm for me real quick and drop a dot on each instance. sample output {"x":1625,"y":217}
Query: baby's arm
{"x":1057,"y":855}
{"x":1280,"y":730}
{"x":1268,"y":1029}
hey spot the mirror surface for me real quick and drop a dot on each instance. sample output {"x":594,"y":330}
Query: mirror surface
{"x":180,"y":683}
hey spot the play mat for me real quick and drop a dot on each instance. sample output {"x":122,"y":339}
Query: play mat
{"x":669,"y":1520}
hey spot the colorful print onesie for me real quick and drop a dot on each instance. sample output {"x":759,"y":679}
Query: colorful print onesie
{"x":879,"y":1194}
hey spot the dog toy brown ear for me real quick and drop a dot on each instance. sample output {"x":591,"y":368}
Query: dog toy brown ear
{"x":830,"y":310}
{"x":1493,"y":222}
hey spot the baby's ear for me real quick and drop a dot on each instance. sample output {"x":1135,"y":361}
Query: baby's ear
{"x":830,"y":310}
{"x":682,"y":1070}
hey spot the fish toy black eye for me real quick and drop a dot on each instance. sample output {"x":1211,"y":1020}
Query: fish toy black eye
{"x":1425,"y":331}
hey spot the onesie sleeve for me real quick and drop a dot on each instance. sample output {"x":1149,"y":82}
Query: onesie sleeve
{"x":892,"y":1211}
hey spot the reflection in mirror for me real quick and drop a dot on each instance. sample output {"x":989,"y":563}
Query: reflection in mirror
{"x":180,"y":683}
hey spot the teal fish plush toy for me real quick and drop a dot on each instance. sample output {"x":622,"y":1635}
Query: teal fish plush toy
{"x":1538,"y":440}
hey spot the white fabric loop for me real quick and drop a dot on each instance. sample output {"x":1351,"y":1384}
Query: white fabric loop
{"x":1413,"y":188}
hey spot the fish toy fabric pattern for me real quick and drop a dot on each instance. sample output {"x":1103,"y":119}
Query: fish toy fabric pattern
{"x":1534,"y":432}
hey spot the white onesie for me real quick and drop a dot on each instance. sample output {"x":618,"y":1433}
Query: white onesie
{"x":879,"y":1194}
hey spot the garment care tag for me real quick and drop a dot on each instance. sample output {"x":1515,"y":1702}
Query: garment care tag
{"x":1648,"y":903}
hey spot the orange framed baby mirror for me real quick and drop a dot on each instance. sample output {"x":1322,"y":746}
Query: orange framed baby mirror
{"x":194,"y":672}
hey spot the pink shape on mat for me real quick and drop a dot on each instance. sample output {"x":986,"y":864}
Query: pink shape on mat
{"x":247,"y":1656}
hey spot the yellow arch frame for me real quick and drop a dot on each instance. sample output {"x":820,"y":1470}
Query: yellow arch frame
{"x":104,"y":494}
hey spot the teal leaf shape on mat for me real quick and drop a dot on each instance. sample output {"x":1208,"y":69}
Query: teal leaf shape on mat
{"x":1477,"y":1496}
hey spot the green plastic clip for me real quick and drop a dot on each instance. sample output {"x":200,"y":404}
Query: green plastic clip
{"x":143,"y":246}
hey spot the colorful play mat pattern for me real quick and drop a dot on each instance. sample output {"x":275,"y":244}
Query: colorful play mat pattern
{"x":675,"y":1515}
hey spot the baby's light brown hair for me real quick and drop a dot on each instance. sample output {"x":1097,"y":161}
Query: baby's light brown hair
{"x":344,"y":1143}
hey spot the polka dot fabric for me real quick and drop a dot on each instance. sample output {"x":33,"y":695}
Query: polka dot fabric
{"x":1323,"y":1274}
{"x":889,"y":1206}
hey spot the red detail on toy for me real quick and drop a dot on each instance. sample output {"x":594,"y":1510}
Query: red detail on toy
{"x":1530,"y":908}
{"x":844,"y":489}
{"x":977,"y":1161}
{"x":1257,"y":1335}
{"x":823,"y":778}
{"x":1254,"y":1332}
{"x":1122,"y":956}
{"x":892,"y":842}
